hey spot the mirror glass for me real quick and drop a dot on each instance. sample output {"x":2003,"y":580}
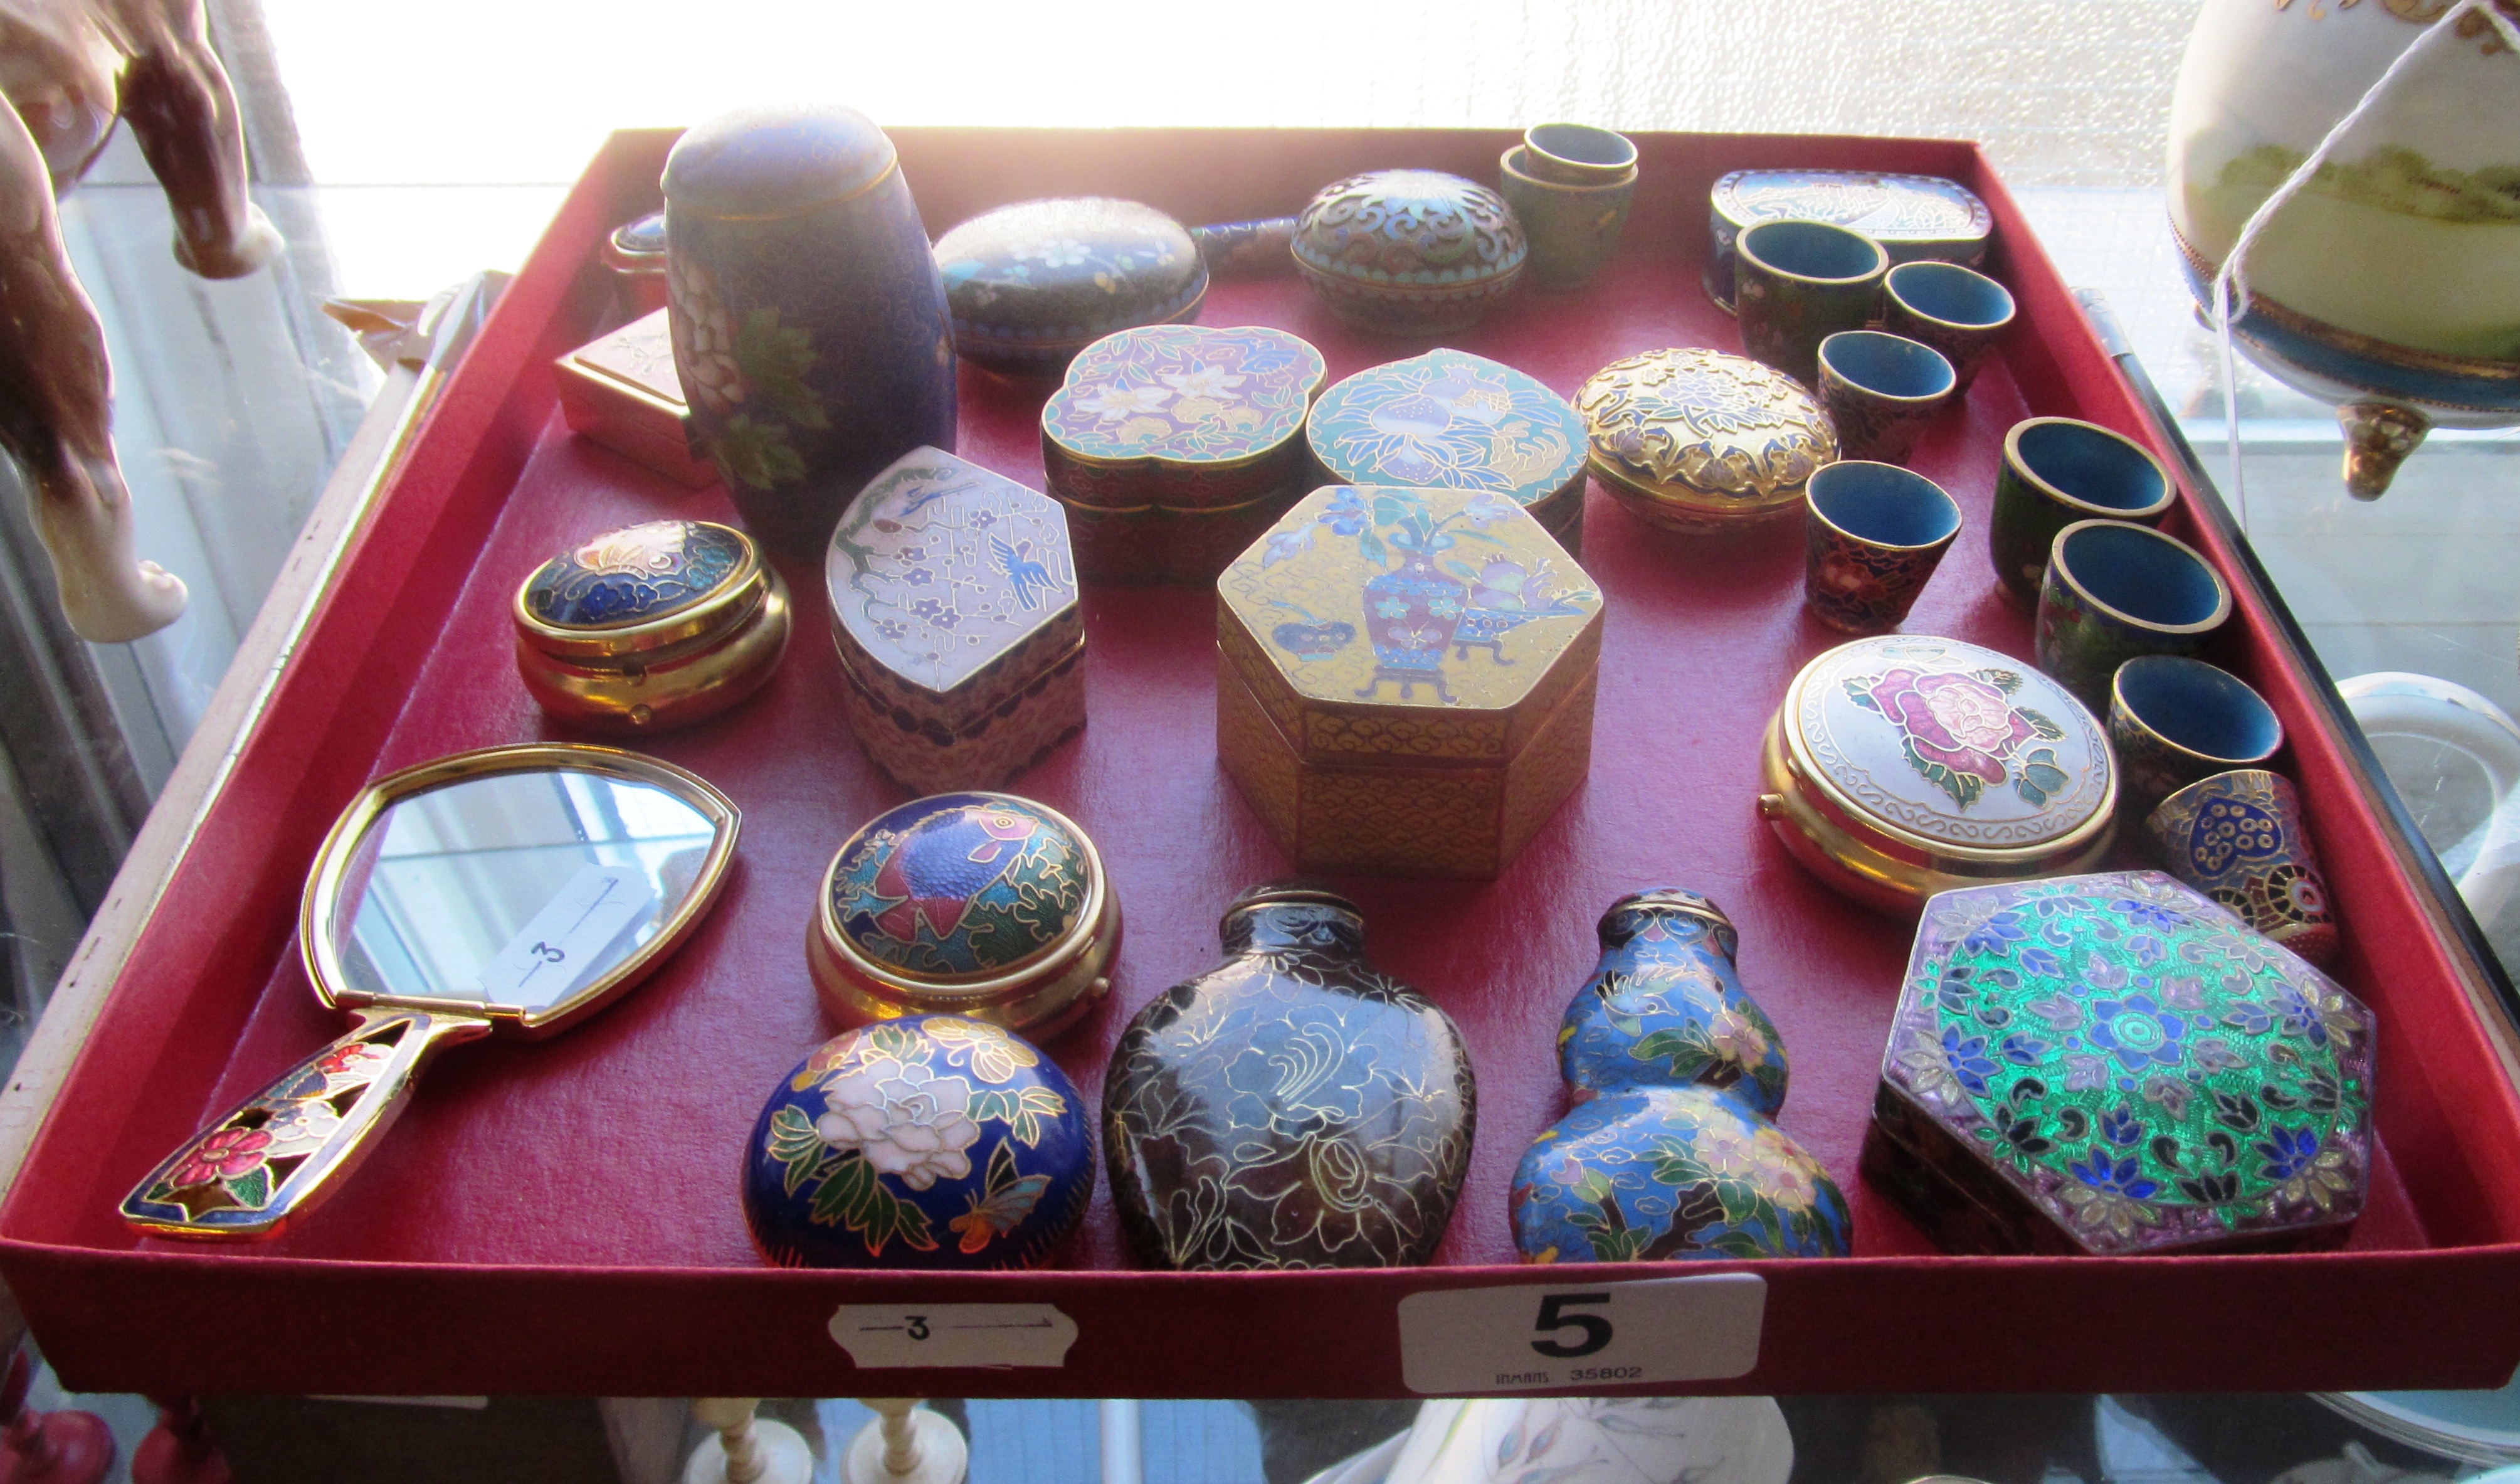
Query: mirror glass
{"x":513,"y":888}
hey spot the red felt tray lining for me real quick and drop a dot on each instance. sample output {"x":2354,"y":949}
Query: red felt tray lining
{"x":615,"y":1146}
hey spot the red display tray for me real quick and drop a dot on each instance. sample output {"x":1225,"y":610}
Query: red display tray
{"x":562,"y":1216}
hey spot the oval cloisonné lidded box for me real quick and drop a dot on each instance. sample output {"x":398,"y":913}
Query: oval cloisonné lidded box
{"x":1901,"y":766}
{"x":1032,"y":283}
{"x":1409,"y":252}
{"x":1695,"y":440}
{"x":980,"y":903}
{"x":1457,"y":421}
{"x":931,"y":1142}
{"x":2116,"y":1064}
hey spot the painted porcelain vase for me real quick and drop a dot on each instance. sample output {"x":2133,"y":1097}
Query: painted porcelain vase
{"x":2386,"y":285}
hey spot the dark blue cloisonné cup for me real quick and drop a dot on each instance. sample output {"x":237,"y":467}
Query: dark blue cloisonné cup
{"x":1873,"y":535}
{"x":2114,"y":591}
{"x":2174,"y":720}
{"x":1959,"y":311}
{"x":2056,"y":472}
{"x":1797,"y":282}
{"x":1881,"y":391}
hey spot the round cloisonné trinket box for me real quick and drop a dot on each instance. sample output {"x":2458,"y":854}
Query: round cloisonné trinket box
{"x":1696,"y":440}
{"x":650,"y":627}
{"x":1409,"y":252}
{"x":983,"y":905}
{"x":1911,"y":216}
{"x":2115,"y":1064}
{"x":1032,"y":283}
{"x":931,"y":1142}
{"x":1902,"y":766}
{"x":1457,"y":421}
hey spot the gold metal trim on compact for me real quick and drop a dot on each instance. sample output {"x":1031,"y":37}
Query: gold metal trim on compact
{"x":726,"y":605}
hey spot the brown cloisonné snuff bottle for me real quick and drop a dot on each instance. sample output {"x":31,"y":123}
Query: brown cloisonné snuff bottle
{"x":1292,"y":1107}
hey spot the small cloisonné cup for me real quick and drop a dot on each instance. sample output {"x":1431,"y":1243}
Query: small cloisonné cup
{"x":1959,"y":311}
{"x":1880,"y":392}
{"x":2175,"y":720}
{"x":1797,"y":282}
{"x":2115,"y":591}
{"x":2056,"y":472}
{"x":2241,"y":838}
{"x":1873,"y":534}
{"x":1579,"y":155}
{"x":1572,"y":229}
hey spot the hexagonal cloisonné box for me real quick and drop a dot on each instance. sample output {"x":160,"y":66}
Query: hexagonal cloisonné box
{"x":932,"y":1142}
{"x":1409,"y":252}
{"x":1173,"y":445}
{"x":953,"y":606}
{"x":2115,"y":1064}
{"x":1406,"y":679}
{"x":1460,"y":422}
{"x":1032,"y":283}
{"x":1695,"y":440}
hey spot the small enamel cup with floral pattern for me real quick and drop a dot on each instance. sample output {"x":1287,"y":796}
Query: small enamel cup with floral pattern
{"x":1873,"y":535}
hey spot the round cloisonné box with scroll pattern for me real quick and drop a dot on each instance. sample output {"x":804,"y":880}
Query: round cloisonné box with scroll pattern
{"x":1409,"y":252}
{"x":1901,"y":766}
{"x":650,"y":627}
{"x":1694,"y":440}
{"x":2116,"y":1064}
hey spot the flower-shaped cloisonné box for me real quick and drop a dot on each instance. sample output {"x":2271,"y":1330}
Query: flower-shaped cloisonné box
{"x":1173,"y":445}
{"x":1032,"y":283}
{"x":1695,"y":440}
{"x":1409,"y":252}
{"x":1911,"y":216}
{"x":931,"y":1142}
{"x":1901,"y":766}
{"x":1406,"y":679}
{"x":1462,"y":421}
{"x":2114,"y":1064}
{"x":953,"y":606}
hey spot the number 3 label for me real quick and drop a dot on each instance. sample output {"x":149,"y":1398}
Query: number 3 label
{"x":1538,"y":1337}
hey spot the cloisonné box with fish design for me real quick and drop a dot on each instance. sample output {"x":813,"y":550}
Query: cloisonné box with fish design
{"x":1911,"y":216}
{"x":1032,"y":283}
{"x":2115,"y":1064}
{"x":1405,"y":679}
{"x":1462,"y":421}
{"x":621,"y":391}
{"x":1172,"y":446}
{"x":953,"y":606}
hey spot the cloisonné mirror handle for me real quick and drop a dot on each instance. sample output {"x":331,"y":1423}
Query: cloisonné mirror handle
{"x":273,"y":1156}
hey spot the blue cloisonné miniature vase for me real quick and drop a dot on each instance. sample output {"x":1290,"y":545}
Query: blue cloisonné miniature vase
{"x":928,"y":1141}
{"x":1670,"y":1150}
{"x":809,"y":321}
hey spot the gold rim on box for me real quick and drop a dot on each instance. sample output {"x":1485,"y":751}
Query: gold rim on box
{"x":1660,"y":502}
{"x":656,"y":690}
{"x":729,"y":603}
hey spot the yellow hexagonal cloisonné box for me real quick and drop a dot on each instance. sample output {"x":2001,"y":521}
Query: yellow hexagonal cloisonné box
{"x":1405,"y":679}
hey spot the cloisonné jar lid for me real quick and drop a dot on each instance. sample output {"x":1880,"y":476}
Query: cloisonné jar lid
{"x":1409,"y":250}
{"x":1911,"y":216}
{"x":637,"y":246}
{"x":1189,"y":401}
{"x":931,"y":1142}
{"x":1696,"y":440}
{"x":776,"y":160}
{"x":1458,"y":421}
{"x":2117,"y":1064}
{"x":1032,"y":283}
{"x":651,"y":626}
{"x":1902,"y":766}
{"x":983,"y":905}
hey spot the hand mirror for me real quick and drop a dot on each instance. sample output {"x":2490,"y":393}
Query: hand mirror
{"x":517,"y":889}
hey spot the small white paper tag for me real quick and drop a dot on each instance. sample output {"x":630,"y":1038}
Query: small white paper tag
{"x":1549,"y":1337}
{"x":564,"y":942}
{"x":884,"y":1336}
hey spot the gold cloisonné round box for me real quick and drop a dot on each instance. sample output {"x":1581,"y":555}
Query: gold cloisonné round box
{"x":1696,"y":440}
{"x":953,"y":606}
{"x":650,"y":627}
{"x":1406,"y":679}
{"x":1899,"y":767}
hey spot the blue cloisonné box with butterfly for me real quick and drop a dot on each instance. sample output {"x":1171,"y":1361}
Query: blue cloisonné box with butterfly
{"x":930,"y":1141}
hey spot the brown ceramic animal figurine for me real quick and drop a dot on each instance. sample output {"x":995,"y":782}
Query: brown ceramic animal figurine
{"x":68,"y":68}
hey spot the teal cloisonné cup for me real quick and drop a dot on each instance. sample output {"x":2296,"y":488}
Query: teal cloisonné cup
{"x":1959,"y":311}
{"x":1881,"y":391}
{"x":2239,"y":837}
{"x":2115,"y":591}
{"x":1875,"y":533}
{"x":2056,"y":472}
{"x":1571,"y":229}
{"x":2175,"y":720}
{"x":1579,"y":155}
{"x":1796,"y":284}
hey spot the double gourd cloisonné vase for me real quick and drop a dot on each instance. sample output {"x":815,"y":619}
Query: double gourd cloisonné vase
{"x":810,"y":326}
{"x":2114,"y":1064}
{"x":1676,"y":1073}
{"x":1292,"y":1107}
{"x":932,"y":1142}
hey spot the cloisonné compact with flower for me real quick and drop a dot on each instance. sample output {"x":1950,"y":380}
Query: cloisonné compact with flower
{"x":2116,"y":1064}
{"x":650,"y":627}
{"x":931,"y":1142}
{"x":1694,"y":440}
{"x":1902,"y":766}
{"x":1032,"y":283}
{"x":982,"y":905}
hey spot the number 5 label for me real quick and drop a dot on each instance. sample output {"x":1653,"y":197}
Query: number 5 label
{"x":1550,"y":1336}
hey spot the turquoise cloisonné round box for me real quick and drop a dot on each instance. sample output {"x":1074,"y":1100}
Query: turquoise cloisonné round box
{"x":1455,"y":421}
{"x":930,"y":1141}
